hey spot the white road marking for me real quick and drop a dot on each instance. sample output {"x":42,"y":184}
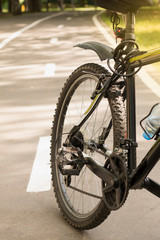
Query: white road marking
{"x":19,"y":32}
{"x":103,"y":30}
{"x":40,"y":179}
{"x":69,"y":18}
{"x":60,"y":26}
{"x":34,"y":69}
{"x":38,"y":71}
{"x":50,"y":70}
{"x":143,"y":75}
{"x":20,"y":67}
{"x":149,"y":82}
{"x":54,"y":40}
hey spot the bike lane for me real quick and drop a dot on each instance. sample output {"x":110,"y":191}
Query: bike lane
{"x":28,"y":98}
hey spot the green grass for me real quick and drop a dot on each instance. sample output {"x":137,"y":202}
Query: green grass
{"x":147,"y":28}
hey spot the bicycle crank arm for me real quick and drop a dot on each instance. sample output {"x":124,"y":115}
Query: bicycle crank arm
{"x":102,"y":173}
{"x":78,"y":160}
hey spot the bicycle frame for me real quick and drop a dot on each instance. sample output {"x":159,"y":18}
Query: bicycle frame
{"x":147,"y":58}
{"x":139,"y":174}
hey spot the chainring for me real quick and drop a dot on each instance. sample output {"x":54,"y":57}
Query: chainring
{"x":115,"y":197}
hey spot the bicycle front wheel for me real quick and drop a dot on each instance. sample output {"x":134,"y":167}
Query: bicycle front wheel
{"x":80,"y":197}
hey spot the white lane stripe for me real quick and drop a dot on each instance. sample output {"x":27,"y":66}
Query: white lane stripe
{"x":69,"y":18}
{"x":60,"y":26}
{"x":143,"y":75}
{"x":54,"y":41}
{"x":103,"y":30}
{"x":40,"y":179}
{"x":18,"y":33}
{"x":19,"y":67}
{"x":49,"y":70}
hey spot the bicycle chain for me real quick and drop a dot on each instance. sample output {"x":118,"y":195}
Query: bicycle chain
{"x":86,"y":193}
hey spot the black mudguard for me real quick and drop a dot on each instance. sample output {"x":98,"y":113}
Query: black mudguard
{"x":101,"y":49}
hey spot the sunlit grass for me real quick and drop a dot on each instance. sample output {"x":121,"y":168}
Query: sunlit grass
{"x":148,"y":29}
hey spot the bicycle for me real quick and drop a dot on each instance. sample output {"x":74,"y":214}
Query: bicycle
{"x":93,"y":144}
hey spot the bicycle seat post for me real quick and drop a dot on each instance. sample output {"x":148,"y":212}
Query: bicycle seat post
{"x":130,"y":22}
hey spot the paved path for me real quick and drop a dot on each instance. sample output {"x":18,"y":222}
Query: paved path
{"x":33,"y":69}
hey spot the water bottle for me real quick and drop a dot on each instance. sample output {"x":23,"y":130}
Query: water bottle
{"x":152,"y":123}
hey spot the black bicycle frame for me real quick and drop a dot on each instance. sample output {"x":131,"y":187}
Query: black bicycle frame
{"x":138,"y":175}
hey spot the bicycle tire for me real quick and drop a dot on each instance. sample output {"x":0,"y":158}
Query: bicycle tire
{"x":80,"y":215}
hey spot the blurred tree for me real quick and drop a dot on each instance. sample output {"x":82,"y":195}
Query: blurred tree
{"x":9,"y":5}
{"x":34,"y":5}
{"x":0,"y":6}
{"x":47,"y":5}
{"x":73,"y":4}
{"x":60,"y":4}
{"x":82,"y":3}
{"x":15,"y":7}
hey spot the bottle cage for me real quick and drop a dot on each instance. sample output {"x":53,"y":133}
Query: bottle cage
{"x":141,"y":124}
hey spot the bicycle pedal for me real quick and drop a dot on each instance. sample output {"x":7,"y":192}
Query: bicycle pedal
{"x":70,"y":164}
{"x":68,"y":171}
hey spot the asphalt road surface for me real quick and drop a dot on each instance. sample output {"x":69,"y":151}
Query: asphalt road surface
{"x":35,"y":60}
